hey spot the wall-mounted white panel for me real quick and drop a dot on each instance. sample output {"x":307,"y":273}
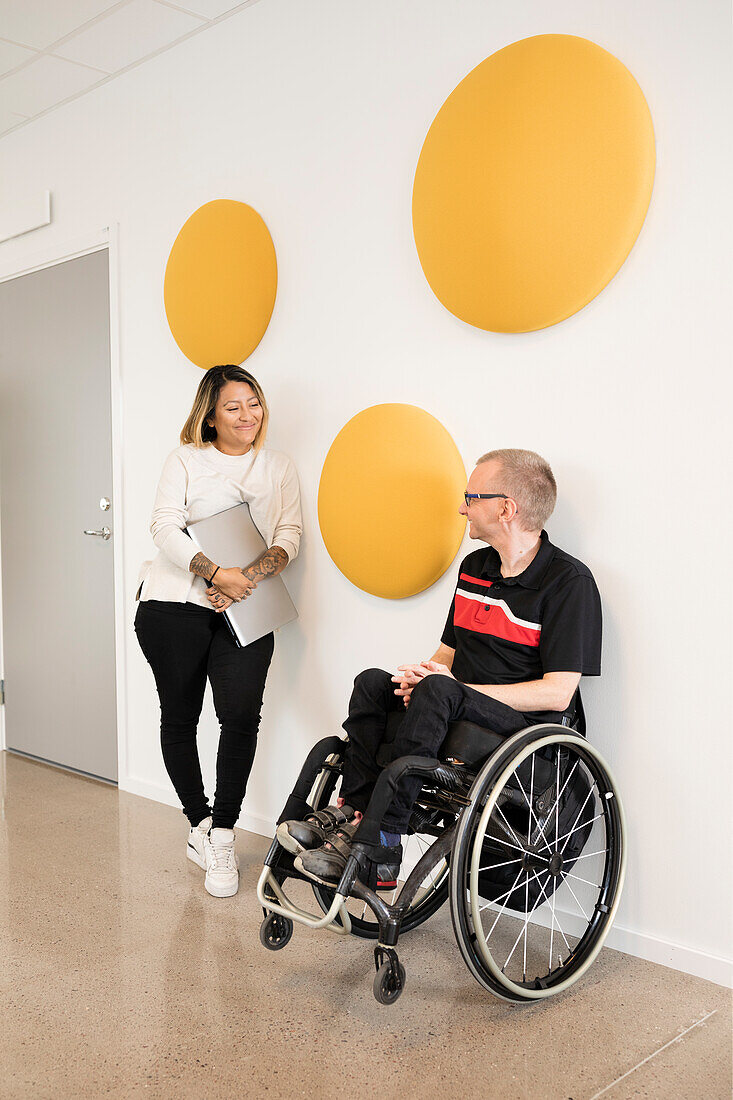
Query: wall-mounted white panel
{"x":24,"y":214}
{"x":41,"y":22}
{"x":128,"y":35}
{"x":44,"y":82}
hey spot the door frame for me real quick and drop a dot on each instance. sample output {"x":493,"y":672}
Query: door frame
{"x":106,"y":238}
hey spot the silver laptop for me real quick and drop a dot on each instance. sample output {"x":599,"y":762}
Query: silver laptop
{"x":230,"y":538}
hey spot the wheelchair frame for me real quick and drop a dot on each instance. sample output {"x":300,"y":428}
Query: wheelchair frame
{"x":477,"y":798}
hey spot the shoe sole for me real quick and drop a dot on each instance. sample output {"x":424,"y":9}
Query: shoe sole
{"x":221,"y":891}
{"x":193,"y":855}
{"x":288,"y":842}
{"x":297,"y":863}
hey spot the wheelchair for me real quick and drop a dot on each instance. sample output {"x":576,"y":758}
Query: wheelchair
{"x":523,"y":836}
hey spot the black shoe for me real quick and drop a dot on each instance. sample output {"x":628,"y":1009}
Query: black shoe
{"x":311,"y":832}
{"x":388,"y":868}
{"x":326,"y":864}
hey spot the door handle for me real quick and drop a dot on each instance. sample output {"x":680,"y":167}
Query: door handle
{"x":105,"y":533}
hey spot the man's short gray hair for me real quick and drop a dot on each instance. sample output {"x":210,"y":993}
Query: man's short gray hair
{"x":527,"y":478}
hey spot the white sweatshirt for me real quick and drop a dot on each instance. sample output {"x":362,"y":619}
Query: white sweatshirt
{"x":197,"y":482}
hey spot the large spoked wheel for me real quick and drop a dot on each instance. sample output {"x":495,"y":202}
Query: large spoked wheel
{"x":431,"y":895}
{"x":537,"y":865}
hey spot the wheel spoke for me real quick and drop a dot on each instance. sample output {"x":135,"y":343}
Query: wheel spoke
{"x":587,"y":855}
{"x":555,"y":920}
{"x":501,"y":896}
{"x":531,"y":786}
{"x":580,"y":811}
{"x":557,"y":799}
{"x":536,"y":875}
{"x":495,"y":866}
{"x":523,"y":931}
{"x":511,"y":830}
{"x":564,"y":835}
{"x":557,"y":825}
{"x":556,"y":805}
{"x":531,"y":803}
{"x":508,"y":844}
{"x":585,"y":880}
{"x":576,"y":900}
{"x":526,"y":923}
{"x":552,"y":930}
{"x":435,"y":877}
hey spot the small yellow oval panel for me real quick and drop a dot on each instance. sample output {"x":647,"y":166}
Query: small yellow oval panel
{"x":388,"y":500}
{"x":533,"y":183}
{"x":220,"y":283}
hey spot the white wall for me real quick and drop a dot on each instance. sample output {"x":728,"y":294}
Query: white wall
{"x":315,"y":113}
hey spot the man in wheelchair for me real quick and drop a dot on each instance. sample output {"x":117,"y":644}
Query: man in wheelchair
{"x":523,"y":627}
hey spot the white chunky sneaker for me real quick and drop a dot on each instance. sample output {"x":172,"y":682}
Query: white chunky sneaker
{"x":222,"y":866}
{"x":195,"y":846}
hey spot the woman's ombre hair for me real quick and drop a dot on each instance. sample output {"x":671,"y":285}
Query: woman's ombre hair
{"x":196,"y":430}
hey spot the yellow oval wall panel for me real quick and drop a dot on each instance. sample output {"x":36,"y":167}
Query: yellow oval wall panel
{"x":220,"y":283}
{"x":388,"y":500}
{"x":533,"y":183}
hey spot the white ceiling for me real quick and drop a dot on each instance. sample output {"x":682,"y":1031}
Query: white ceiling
{"x":54,"y":50}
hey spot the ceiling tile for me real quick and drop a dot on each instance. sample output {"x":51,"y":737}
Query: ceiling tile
{"x":127,"y":35}
{"x":210,"y":8}
{"x":41,"y":22}
{"x":46,"y":81}
{"x":12,"y":55}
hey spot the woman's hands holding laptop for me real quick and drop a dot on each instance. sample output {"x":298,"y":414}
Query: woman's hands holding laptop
{"x":217,"y":599}
{"x":233,"y":584}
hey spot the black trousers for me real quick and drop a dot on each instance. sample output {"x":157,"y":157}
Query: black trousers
{"x":435,"y":702}
{"x":184,"y":644}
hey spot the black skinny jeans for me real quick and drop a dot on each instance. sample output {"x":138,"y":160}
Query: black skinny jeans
{"x":183,"y":644}
{"x":435,"y":702}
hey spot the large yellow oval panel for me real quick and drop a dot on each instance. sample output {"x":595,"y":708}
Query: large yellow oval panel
{"x":533,"y":183}
{"x":220,"y":283}
{"x":388,"y":500}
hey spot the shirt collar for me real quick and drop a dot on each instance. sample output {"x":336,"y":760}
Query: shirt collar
{"x":532,"y":576}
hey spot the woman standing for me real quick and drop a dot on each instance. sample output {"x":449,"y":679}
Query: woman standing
{"x":221,"y":462}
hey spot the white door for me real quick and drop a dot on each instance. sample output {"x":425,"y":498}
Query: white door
{"x":55,"y":484}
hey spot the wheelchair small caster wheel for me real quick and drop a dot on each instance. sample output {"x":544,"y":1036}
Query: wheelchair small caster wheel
{"x":275,"y":932}
{"x":388,"y":982}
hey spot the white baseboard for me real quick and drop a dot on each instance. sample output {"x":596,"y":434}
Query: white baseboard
{"x":714,"y":968}
{"x":253,"y":823}
{"x":689,"y":960}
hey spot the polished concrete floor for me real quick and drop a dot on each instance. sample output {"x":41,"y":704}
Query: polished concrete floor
{"x":121,"y":977}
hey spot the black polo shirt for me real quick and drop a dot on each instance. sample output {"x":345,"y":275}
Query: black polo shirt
{"x":507,"y":630}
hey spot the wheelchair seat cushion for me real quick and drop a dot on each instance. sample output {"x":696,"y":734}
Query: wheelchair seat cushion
{"x":465,"y":741}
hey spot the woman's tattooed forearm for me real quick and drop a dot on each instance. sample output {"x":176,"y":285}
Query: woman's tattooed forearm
{"x":202,"y":567}
{"x":272,"y":562}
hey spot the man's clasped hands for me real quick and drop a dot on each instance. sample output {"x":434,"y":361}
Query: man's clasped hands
{"x":409,"y":675}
